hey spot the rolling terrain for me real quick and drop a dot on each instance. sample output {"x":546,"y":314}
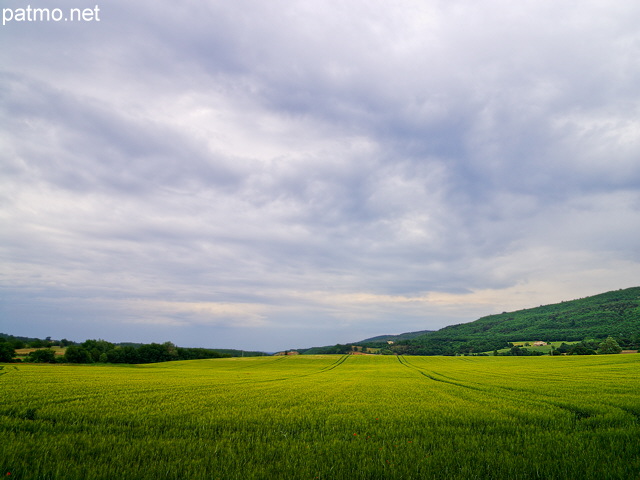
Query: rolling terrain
{"x":615,"y":314}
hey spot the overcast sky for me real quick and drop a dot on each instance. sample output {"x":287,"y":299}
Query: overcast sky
{"x":269,"y":175}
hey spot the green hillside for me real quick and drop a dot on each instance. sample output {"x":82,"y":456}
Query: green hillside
{"x":615,"y":314}
{"x":396,"y":338}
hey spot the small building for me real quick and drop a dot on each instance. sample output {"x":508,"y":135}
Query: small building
{"x":539,"y":344}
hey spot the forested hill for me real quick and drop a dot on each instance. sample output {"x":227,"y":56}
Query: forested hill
{"x":396,"y":338}
{"x":615,"y":314}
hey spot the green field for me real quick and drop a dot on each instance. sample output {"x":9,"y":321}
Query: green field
{"x":529,"y":345}
{"x":325,"y":417}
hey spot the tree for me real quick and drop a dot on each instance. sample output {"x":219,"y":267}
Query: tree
{"x":75,"y":354}
{"x":130,"y":355}
{"x":581,"y":350}
{"x":116,"y":355}
{"x":37,"y":343}
{"x":100,"y":346}
{"x":609,"y":346}
{"x":154,"y":352}
{"x":6,"y":352}
{"x":516,"y":351}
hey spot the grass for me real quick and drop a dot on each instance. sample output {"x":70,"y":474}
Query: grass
{"x":325,"y":417}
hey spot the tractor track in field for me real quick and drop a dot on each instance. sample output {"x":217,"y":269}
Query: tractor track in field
{"x":578,"y":412}
{"x":479,"y":387}
{"x":335,"y":364}
{"x":511,"y":392}
{"x":431,"y":375}
{"x":328,"y":368}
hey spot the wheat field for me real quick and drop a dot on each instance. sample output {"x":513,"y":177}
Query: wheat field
{"x":324,"y":417}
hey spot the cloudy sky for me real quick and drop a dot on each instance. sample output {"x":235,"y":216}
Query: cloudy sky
{"x":270,"y":175}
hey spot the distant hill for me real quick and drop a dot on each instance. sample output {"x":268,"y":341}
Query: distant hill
{"x":394,"y":338}
{"x":615,"y":313}
{"x":348,"y":347}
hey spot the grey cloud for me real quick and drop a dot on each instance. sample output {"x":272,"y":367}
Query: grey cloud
{"x":81,"y":143}
{"x":293,"y":156}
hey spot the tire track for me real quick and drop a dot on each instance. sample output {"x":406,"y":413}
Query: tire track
{"x":328,"y":368}
{"x":336,"y":364}
{"x":577,"y":412}
{"x":403,"y":361}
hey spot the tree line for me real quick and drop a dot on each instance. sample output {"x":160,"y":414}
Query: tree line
{"x":101,"y":351}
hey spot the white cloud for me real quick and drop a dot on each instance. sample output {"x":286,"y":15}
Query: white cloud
{"x":185,"y":314}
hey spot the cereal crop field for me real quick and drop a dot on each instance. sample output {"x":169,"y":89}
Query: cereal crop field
{"x":324,"y":417}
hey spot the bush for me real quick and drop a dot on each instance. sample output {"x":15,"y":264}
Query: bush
{"x":609,"y":346}
{"x":45,"y":355}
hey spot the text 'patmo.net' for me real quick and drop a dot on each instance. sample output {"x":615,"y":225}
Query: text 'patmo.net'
{"x":31,"y":14}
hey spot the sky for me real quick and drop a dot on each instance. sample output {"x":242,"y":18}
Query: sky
{"x":287,"y":174}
